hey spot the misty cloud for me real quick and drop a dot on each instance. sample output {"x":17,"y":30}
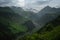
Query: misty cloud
{"x":35,"y":4}
{"x":11,"y":2}
{"x":54,"y":3}
{"x":3,"y":2}
{"x":40,"y":4}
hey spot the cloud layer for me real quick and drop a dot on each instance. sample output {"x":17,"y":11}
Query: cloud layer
{"x":39,"y":4}
{"x":34,"y":4}
{"x":12,"y":3}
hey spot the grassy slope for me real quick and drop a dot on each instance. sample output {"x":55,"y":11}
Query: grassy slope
{"x":8,"y":17}
{"x":11,"y":24}
{"x":51,"y":31}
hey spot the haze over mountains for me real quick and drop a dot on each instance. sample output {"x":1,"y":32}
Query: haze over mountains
{"x":48,"y":13}
{"x":19,"y":21}
{"x":42,"y":17}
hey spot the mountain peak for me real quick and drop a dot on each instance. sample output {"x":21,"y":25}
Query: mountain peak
{"x":48,"y":10}
{"x":47,"y":7}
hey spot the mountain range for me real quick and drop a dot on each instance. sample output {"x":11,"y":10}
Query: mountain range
{"x":15,"y":20}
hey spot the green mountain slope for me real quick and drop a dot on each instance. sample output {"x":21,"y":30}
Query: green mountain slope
{"x":8,"y":17}
{"x":11,"y":24}
{"x":51,"y":31}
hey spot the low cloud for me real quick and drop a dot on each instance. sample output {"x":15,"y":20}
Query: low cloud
{"x":11,"y":2}
{"x":40,"y":4}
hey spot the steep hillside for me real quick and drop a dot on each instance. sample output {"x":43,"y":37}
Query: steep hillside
{"x":49,"y":10}
{"x":51,"y":31}
{"x":47,"y":14}
{"x":11,"y":24}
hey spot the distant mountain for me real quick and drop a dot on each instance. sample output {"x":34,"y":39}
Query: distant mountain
{"x":27,"y":14}
{"x":49,"y":10}
{"x":48,"y":13}
{"x":45,"y":15}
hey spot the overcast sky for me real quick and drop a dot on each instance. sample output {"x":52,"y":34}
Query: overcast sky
{"x":39,"y":4}
{"x":12,"y":3}
{"x":35,"y":4}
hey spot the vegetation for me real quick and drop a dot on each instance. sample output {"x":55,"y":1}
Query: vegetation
{"x":51,"y":31}
{"x":13,"y":25}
